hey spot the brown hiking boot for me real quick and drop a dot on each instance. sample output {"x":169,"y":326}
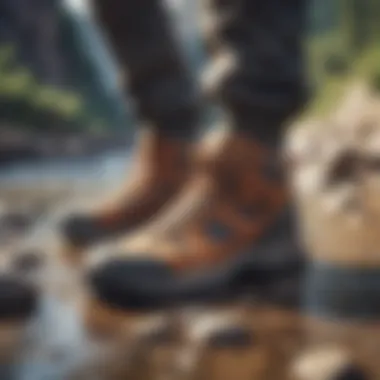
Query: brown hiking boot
{"x":230,"y":201}
{"x":159,"y":169}
{"x":234,"y":199}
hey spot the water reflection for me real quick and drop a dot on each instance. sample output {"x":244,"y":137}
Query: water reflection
{"x":54,"y":344}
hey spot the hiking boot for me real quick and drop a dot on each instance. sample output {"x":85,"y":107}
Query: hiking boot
{"x":158,"y":172}
{"x":225,"y":231}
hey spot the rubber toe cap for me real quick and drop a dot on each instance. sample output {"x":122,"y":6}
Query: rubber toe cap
{"x":132,"y":284}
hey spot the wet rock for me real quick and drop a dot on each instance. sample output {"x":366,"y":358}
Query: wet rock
{"x":28,"y":261}
{"x":17,"y":221}
{"x":221,"y":348}
{"x":325,"y":363}
{"x":231,"y":337}
{"x":18,"y":299}
{"x":159,"y":331}
{"x":351,"y":372}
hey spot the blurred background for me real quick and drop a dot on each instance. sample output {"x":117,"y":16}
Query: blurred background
{"x":58,"y":79}
{"x":62,"y":114}
{"x":59,"y":94}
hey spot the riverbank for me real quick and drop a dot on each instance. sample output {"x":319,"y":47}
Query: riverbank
{"x":18,"y":145}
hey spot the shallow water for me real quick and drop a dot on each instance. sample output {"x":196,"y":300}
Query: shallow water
{"x":55,"y":341}
{"x":105,"y":169}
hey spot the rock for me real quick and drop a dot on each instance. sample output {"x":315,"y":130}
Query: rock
{"x":232,"y":337}
{"x":29,"y":261}
{"x":18,"y":221}
{"x":322,"y":363}
{"x":351,"y":372}
{"x":337,"y":190}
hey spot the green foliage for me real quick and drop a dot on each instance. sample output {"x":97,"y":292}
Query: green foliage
{"x":346,"y":52}
{"x":342,"y":46}
{"x":25,"y":102}
{"x":336,"y":64}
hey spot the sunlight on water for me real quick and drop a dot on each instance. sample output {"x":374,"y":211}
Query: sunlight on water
{"x":107,"y":170}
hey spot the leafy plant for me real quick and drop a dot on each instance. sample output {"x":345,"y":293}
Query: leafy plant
{"x":25,"y":102}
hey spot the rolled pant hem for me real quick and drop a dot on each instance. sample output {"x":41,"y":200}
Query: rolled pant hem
{"x":179,"y":124}
{"x":264,"y":124}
